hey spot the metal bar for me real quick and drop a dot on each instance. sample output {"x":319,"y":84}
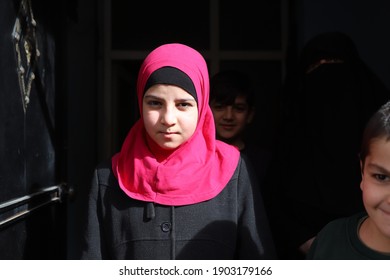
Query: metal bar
{"x":20,"y":207}
{"x":24,"y":213}
{"x":26,"y":198}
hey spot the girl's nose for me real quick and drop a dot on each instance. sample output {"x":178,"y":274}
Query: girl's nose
{"x":168,"y":117}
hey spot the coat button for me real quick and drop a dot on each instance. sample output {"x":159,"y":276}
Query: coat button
{"x":165,"y":227}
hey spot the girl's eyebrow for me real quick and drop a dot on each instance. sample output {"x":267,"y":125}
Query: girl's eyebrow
{"x":151,"y":96}
{"x":186,"y":100}
{"x":178,"y":100}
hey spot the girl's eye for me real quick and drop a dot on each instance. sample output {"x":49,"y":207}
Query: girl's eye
{"x":153,"y":103}
{"x":184,"y":105}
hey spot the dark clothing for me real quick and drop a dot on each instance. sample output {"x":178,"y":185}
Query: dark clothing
{"x":233,"y":225}
{"x":259,"y":161}
{"x":339,"y":240}
{"x":259,"y":158}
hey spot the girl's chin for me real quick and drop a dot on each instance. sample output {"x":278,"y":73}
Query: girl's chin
{"x":168,"y":147}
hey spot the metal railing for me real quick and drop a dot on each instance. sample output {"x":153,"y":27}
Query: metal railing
{"x":15,"y":209}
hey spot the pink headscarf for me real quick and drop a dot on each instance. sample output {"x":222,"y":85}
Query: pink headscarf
{"x":196,"y":171}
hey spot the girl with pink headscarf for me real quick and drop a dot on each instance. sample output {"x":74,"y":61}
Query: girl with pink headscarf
{"x":174,"y":191}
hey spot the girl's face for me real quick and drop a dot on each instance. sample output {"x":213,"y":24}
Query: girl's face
{"x":375,"y":186}
{"x":170,"y":115}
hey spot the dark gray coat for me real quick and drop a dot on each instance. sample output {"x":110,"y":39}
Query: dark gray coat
{"x":233,"y":225}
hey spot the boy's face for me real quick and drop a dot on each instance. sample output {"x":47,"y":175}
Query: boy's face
{"x":170,"y":115}
{"x":375,"y":186}
{"x":231,"y":120}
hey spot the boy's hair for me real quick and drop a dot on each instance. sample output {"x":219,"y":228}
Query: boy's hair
{"x":226,"y":85}
{"x":377,"y":127}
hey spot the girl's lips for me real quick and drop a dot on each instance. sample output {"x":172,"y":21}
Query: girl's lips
{"x":168,"y":134}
